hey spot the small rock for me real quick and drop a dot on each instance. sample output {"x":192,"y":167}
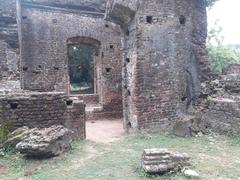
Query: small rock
{"x":188,"y":125}
{"x":191,"y":173}
{"x":200,"y":134}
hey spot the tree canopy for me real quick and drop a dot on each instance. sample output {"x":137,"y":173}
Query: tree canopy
{"x":221,"y":55}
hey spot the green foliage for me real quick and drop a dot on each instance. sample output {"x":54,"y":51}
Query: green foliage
{"x":80,"y":63}
{"x":4,"y":130}
{"x":209,"y":98}
{"x":6,"y":151}
{"x":221,"y":56}
{"x":81,"y":69}
{"x":210,"y":3}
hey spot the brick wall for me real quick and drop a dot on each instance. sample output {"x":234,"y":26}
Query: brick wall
{"x":165,"y":58}
{"x":9,"y":46}
{"x":164,"y":53}
{"x":45,"y":30}
{"x":43,"y":110}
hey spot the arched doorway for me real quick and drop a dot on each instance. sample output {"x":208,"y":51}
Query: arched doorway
{"x":91,"y":72}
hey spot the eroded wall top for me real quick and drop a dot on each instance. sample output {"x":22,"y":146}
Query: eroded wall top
{"x":86,"y":5}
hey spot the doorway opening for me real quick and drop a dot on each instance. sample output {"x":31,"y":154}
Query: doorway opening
{"x":86,"y":82}
{"x":81,"y":69}
{"x":83,"y":63}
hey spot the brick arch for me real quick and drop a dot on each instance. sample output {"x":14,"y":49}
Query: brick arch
{"x":94,"y":43}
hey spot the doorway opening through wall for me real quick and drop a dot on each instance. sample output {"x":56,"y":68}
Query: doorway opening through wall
{"x":81,"y":69}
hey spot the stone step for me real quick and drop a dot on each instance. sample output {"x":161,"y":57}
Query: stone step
{"x":97,"y":112}
{"x":93,"y":111}
{"x":94,"y":108}
{"x":88,"y":99}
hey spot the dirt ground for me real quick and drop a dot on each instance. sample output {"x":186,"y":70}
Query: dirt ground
{"x":3,"y":169}
{"x":104,"y":131}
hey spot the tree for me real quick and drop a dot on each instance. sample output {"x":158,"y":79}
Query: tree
{"x":210,"y":3}
{"x":220,"y":55}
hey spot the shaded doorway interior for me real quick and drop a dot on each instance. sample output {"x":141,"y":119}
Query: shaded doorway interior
{"x":81,"y":69}
{"x":88,"y":70}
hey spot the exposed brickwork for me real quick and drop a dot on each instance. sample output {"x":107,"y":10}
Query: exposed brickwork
{"x":165,"y":45}
{"x":43,"y":110}
{"x":9,"y":46}
{"x":96,"y":111}
{"x":75,"y":119}
{"x":46,"y":32}
{"x":88,"y":98}
{"x":150,"y":54}
{"x":199,"y":36}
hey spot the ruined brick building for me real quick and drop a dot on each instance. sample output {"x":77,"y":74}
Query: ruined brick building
{"x":146,"y":58}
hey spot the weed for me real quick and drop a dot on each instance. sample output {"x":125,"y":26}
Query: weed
{"x":4,"y":131}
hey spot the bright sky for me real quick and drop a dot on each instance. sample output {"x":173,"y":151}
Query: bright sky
{"x":228,"y":13}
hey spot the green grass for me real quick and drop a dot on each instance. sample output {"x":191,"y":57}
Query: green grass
{"x":213,"y":157}
{"x":4,"y":130}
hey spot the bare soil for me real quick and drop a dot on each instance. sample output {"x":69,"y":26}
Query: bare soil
{"x":3,"y":169}
{"x":104,"y":131}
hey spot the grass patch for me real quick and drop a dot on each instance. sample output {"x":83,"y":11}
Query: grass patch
{"x":213,"y":156}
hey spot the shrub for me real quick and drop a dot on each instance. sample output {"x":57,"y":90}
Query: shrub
{"x":221,"y":56}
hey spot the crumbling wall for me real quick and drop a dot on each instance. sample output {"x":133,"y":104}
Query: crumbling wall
{"x":232,"y":69}
{"x":199,"y":36}
{"x":121,"y":11}
{"x":97,"y":6}
{"x":222,"y":114}
{"x":220,"y":102}
{"x":43,"y":110}
{"x":164,"y":57}
{"x":9,"y":46}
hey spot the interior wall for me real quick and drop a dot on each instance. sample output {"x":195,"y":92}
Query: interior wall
{"x":44,"y":35}
{"x":9,"y":46}
{"x":43,"y":110}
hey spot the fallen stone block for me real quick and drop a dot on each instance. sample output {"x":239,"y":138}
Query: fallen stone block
{"x":17,"y":136}
{"x":160,"y":161}
{"x":47,"y":142}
